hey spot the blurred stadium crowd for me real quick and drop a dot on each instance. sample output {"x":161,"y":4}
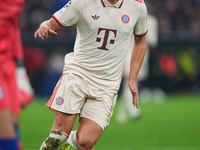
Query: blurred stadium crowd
{"x":174,"y":63}
{"x":178,"y":19}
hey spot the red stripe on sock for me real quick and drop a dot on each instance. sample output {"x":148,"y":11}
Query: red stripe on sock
{"x":65,"y":134}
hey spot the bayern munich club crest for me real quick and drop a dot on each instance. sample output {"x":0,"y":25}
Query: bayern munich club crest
{"x":59,"y":101}
{"x":125,"y":18}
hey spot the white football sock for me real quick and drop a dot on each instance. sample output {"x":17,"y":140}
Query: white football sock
{"x":72,"y":140}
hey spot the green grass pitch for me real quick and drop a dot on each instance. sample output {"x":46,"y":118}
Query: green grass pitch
{"x":171,"y":125}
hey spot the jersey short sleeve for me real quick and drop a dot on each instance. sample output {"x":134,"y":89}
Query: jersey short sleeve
{"x":69,"y":14}
{"x":140,"y":28}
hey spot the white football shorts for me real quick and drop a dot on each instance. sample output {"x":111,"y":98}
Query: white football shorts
{"x":74,"y":95}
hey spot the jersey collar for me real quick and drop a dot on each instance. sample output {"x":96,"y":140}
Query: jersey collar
{"x":105,"y":3}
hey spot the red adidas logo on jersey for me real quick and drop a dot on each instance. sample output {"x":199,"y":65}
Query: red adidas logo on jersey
{"x":139,"y":1}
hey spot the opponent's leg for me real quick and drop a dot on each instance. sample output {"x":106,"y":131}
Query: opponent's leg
{"x":6,"y":124}
{"x":62,"y":127}
{"x":8,"y":138}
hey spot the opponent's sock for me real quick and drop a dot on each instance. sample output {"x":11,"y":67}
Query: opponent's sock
{"x":9,"y":144}
{"x":18,"y":136}
{"x":54,"y":141}
{"x":17,"y":130}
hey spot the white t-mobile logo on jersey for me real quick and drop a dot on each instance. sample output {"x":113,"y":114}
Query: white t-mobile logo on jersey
{"x":105,"y":39}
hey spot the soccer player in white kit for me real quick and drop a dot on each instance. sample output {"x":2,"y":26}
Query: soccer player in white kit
{"x":92,"y":73}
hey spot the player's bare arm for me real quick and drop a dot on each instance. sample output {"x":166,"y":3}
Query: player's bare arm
{"x":136,"y":62}
{"x":47,"y":28}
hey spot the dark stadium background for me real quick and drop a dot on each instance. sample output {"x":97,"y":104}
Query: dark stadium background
{"x":173,"y":124}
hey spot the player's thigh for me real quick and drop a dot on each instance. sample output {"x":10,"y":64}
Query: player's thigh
{"x":95,"y":117}
{"x":99,"y":108}
{"x":63,"y":121}
{"x":88,"y":133}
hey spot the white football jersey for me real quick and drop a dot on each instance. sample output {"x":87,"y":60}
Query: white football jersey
{"x":104,"y":33}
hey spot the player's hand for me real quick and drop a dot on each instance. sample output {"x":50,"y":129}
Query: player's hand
{"x":44,"y":31}
{"x":134,"y":91}
{"x":26,"y":93}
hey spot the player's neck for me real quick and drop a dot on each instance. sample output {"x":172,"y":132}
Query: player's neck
{"x":113,"y":1}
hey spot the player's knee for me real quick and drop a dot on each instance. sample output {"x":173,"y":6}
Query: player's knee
{"x":85,"y":143}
